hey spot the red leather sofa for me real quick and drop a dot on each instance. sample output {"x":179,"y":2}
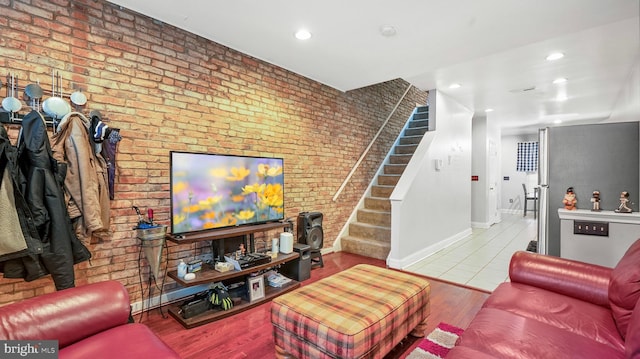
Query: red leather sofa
{"x":559,"y":308}
{"x":89,"y":321}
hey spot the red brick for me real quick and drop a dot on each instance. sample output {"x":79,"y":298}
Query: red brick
{"x":107,"y":50}
{"x":167,"y":89}
{"x":87,"y":53}
{"x":72,"y":22}
{"x":122,"y":46}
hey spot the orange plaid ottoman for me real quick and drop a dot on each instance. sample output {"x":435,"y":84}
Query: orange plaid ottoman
{"x":362,"y":312}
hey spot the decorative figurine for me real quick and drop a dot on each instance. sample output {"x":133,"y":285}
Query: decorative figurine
{"x":243,"y":250}
{"x":624,"y":200}
{"x":595,"y":199}
{"x":570,"y":200}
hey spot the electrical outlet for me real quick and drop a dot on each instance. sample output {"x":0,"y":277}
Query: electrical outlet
{"x":591,"y":228}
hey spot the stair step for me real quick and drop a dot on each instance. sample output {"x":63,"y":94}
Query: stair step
{"x":399,"y":159}
{"x":370,"y":236}
{"x":369,"y":231}
{"x":377,"y":203}
{"x":394,"y":169}
{"x":405,"y":149}
{"x":421,"y":109}
{"x":365,"y":247}
{"x":388,"y":180}
{"x":418,"y":131}
{"x":419,"y":123}
{"x":410,"y":140}
{"x":421,"y":115}
{"x":376,"y":218}
{"x":381,"y":191}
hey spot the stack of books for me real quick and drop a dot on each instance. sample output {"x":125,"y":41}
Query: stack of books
{"x":277,"y":280}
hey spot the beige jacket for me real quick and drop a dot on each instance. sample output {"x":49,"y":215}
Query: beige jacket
{"x":86,"y":186}
{"x":11,"y":237}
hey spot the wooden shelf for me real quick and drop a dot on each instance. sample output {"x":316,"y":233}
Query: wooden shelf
{"x":224,"y":233}
{"x":207,"y":275}
{"x":217,"y":314}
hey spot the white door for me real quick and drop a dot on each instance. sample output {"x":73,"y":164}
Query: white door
{"x":492,"y":199}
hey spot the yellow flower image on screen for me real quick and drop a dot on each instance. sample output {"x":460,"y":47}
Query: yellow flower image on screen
{"x":238,"y":174}
{"x":215,"y":191}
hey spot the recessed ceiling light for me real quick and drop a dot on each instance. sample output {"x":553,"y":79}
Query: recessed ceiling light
{"x":303,"y":34}
{"x":560,"y":80}
{"x":557,"y":122}
{"x":555,"y":56}
{"x":488,"y":110}
{"x":387,"y":30}
{"x":455,"y":86}
{"x":561,"y":98}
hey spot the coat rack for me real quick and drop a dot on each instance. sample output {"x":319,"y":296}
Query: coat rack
{"x":77,"y":98}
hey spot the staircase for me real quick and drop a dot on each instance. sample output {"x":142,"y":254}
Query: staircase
{"x":370,"y":234}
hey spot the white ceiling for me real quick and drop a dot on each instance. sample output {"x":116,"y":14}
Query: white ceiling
{"x":493,"y":48}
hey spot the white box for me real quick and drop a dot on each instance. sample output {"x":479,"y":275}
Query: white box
{"x":223,"y":267}
{"x":286,"y":242}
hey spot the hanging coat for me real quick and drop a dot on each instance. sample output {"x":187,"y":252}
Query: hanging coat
{"x":109,"y":151}
{"x":44,"y":179}
{"x":86,"y":189}
{"x":20,"y":245}
{"x":12,"y":241}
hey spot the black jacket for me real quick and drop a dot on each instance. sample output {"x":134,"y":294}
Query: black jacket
{"x":24,"y":263}
{"x":42,"y":189}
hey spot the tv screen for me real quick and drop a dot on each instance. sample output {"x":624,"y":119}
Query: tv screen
{"x":210,"y":191}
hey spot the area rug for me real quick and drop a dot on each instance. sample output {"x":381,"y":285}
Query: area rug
{"x":438,"y":343}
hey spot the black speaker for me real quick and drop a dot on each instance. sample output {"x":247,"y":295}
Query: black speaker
{"x":310,"y":229}
{"x":310,"y":233}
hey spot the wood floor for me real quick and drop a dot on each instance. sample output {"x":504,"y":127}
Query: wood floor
{"x":249,"y":334}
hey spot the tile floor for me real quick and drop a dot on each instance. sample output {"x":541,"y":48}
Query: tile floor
{"x":482,"y":259}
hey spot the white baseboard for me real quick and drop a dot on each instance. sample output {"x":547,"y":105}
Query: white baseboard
{"x":426,"y":252}
{"x":484,"y":225}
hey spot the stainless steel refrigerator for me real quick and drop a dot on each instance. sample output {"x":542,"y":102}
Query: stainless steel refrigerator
{"x":543,"y":190}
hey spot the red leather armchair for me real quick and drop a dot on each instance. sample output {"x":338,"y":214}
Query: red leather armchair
{"x":559,"y":308}
{"x":89,"y":321}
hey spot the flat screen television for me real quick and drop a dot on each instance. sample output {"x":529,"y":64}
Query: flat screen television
{"x":211,"y":191}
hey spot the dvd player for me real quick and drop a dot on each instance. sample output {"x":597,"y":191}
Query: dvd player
{"x":248,"y":260}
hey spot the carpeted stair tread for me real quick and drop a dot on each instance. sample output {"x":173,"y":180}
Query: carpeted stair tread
{"x":381,"y":191}
{"x":394,"y":169}
{"x":416,"y":131}
{"x":366,"y":247}
{"x":370,"y":231}
{"x":410,"y":140}
{"x":374,"y":217}
{"x":377,"y":203}
{"x":389,"y":180}
{"x":399,"y":159}
{"x":405,"y":149}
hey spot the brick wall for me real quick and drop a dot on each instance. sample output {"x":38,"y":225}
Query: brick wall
{"x":167,"y":89}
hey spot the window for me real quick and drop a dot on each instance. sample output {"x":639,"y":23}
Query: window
{"x":527,"y":157}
